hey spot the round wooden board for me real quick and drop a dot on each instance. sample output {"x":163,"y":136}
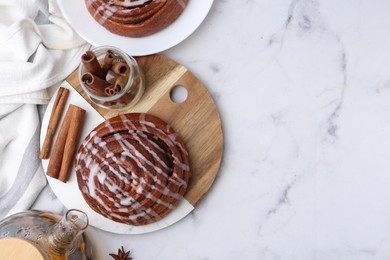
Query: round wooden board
{"x":196,"y":119}
{"x":16,"y":249}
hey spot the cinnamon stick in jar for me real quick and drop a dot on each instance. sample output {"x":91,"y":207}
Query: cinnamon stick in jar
{"x":110,"y":91}
{"x":92,"y":65}
{"x":120,"y":82}
{"x":57,"y":110}
{"x":121,"y":68}
{"x":95,"y":84}
{"x":107,"y":61}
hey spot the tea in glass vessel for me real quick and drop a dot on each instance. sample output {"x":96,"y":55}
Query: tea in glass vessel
{"x":54,"y":236}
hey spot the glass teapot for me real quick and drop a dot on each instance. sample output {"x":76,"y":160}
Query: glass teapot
{"x":56,"y":237}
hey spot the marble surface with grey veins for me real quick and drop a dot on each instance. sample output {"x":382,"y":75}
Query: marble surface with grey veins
{"x":303,"y":90}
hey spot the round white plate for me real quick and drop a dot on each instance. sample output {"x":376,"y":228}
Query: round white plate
{"x":69,"y":193}
{"x":80,"y":19}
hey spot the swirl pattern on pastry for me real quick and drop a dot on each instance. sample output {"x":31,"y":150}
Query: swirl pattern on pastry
{"x":135,"y":18}
{"x":133,"y":169}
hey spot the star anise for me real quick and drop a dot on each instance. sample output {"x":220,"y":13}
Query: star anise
{"x":122,"y":255}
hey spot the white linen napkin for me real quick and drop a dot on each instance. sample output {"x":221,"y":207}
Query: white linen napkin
{"x":38,"y":50}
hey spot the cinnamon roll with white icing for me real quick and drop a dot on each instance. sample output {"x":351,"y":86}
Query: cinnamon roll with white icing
{"x":135,"y":18}
{"x":133,"y":169}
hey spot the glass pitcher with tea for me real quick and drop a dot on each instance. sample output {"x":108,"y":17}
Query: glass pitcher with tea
{"x":45,"y":235}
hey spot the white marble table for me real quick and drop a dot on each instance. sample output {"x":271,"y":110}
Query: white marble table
{"x":303,"y":89}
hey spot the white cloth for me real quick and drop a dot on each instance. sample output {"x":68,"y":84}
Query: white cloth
{"x":34,"y":55}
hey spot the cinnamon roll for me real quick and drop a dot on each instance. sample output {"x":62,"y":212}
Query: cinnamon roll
{"x":133,"y":169}
{"x":135,"y":18}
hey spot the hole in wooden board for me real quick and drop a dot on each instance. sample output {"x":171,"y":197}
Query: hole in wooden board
{"x":178,"y":94}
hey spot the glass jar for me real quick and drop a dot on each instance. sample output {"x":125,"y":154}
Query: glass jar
{"x":54,"y":236}
{"x":133,"y":88}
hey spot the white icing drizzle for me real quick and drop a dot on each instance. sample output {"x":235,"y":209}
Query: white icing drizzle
{"x":91,"y":182}
{"x":101,"y":177}
{"x":122,"y":201}
{"x":88,"y":160}
{"x":155,"y":156}
{"x":125,"y":144}
{"x":130,"y":3}
{"x":108,"y":9}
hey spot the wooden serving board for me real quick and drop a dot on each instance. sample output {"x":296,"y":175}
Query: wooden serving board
{"x":196,"y":119}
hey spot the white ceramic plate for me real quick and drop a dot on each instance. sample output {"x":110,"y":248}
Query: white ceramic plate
{"x":69,"y":193}
{"x":77,"y":15}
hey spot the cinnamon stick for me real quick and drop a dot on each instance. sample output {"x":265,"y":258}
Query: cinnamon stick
{"x":121,"y":68}
{"x":110,"y":91}
{"x":107,"y":62}
{"x":71,"y":142}
{"x":92,"y":65}
{"x":58,"y":108}
{"x":120,"y":82}
{"x":65,"y":144}
{"x":54,"y":166}
{"x":95,"y":84}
